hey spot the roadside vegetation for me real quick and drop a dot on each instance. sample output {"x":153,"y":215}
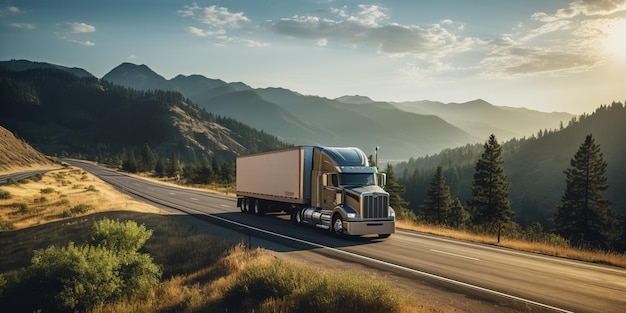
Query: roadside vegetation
{"x":88,"y":248}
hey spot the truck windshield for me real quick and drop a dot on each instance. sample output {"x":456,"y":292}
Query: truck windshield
{"x":365,"y":179}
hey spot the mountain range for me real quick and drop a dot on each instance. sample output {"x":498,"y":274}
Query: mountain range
{"x":401,"y":130}
{"x":61,"y":113}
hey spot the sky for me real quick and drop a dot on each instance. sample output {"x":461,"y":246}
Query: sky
{"x":565,"y":56}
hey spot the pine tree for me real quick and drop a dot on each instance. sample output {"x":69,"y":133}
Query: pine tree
{"x":160,"y":168}
{"x":458,"y":215}
{"x":437,"y":206}
{"x":147,"y":159}
{"x":173,"y":168}
{"x":130,"y":162}
{"x":584,"y":216}
{"x":490,"y":206}
{"x":395,"y":191}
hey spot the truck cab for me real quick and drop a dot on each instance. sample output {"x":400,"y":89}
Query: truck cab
{"x":346,"y":194}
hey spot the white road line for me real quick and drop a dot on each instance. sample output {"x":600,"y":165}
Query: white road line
{"x":194,"y":199}
{"x":454,"y":254}
{"x":224,"y":205}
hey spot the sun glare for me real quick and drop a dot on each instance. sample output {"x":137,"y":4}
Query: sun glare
{"x":615,"y":41}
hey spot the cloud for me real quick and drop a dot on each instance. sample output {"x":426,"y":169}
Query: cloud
{"x":566,"y":41}
{"x":10,"y":10}
{"x":78,"y":28}
{"x":218,"y":25}
{"x":24,"y":26}
{"x":583,"y":7}
{"x":367,"y":27}
{"x":85,"y":43}
{"x":217,"y":18}
{"x":70,"y":31}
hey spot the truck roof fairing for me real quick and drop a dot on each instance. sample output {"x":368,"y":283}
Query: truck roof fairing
{"x":346,"y":156}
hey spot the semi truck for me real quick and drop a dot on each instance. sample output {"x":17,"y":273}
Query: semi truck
{"x":332,"y":188}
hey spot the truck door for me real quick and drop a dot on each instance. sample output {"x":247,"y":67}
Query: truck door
{"x":330,"y":189}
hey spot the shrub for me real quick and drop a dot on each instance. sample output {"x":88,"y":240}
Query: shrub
{"x":4,"y":195}
{"x":11,"y":181}
{"x":91,"y":188}
{"x":124,"y":237}
{"x":41,"y":199}
{"x":6,"y":225}
{"x":47,"y":190}
{"x":80,"y":278}
{"x":22,"y":207}
{"x":260,"y":282}
{"x":80,"y":209}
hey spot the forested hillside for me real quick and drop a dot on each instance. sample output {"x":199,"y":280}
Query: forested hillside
{"x":534,"y":165}
{"x":60,"y":113}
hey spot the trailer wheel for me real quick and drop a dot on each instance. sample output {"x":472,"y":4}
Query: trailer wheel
{"x":246,"y":205}
{"x":257,"y":207}
{"x":242,"y":205}
{"x":337,"y":226}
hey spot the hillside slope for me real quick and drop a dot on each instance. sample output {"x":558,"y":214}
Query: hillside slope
{"x":101,"y":119}
{"x":15,"y":154}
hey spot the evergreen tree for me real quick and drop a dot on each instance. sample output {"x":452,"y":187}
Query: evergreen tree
{"x":490,"y":206}
{"x":227,"y":172}
{"x":130,"y":162}
{"x":148,"y":159}
{"x":160,"y":168}
{"x":204,"y":172}
{"x":437,"y":206}
{"x":395,"y":191}
{"x":458,"y":215}
{"x":173,"y":168}
{"x":584,"y":216}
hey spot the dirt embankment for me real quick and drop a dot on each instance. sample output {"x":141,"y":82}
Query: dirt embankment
{"x":16,"y":155}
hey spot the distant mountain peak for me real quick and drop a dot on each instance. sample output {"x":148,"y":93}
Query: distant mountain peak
{"x":356,"y":99}
{"x":139,"y":77}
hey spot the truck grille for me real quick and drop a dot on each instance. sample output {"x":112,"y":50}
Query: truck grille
{"x":375,"y":206}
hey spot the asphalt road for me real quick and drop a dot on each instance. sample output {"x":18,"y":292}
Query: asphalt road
{"x":20,"y":175}
{"x":530,"y":281}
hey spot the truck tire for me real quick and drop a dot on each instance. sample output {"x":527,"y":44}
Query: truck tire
{"x":256,"y":207}
{"x":337,"y":226}
{"x":296,"y":216}
{"x":246,"y":205}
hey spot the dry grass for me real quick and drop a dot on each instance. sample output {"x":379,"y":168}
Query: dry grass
{"x":559,"y":250}
{"x":58,"y":195}
{"x":16,"y":155}
{"x":199,"y":269}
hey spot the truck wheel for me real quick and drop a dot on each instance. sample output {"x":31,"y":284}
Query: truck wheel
{"x":257,"y":207}
{"x":242,"y":207}
{"x":296,"y":216}
{"x":337,"y":226}
{"x":246,"y":205}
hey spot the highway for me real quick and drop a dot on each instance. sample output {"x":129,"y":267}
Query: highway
{"x":532,"y":282}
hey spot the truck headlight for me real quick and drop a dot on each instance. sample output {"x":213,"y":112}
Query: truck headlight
{"x":351,"y":215}
{"x":392,"y":212}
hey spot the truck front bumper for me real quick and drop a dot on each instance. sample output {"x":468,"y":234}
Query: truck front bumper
{"x":369,"y":227}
